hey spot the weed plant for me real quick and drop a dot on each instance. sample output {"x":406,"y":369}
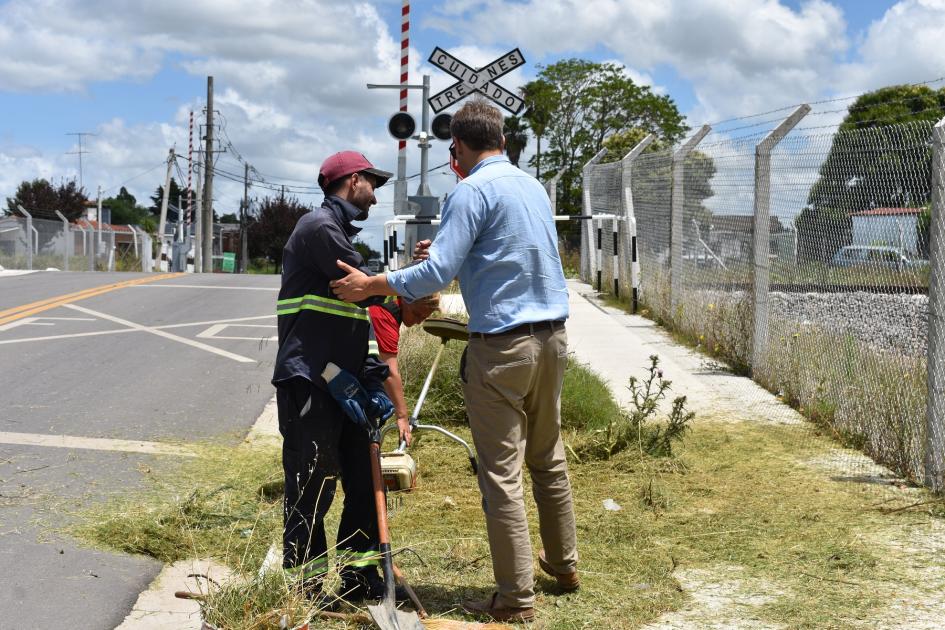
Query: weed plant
{"x":636,"y":427}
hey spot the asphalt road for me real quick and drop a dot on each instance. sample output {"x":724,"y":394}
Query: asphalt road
{"x":179,"y":359}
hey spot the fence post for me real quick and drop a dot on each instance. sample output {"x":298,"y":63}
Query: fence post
{"x":935,"y":406}
{"x":676,"y":217}
{"x":68,"y":242}
{"x":631,"y":217}
{"x":551,"y":186}
{"x":588,"y":234}
{"x":762,"y":236}
{"x":29,"y":237}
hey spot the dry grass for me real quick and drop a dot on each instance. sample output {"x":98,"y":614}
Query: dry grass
{"x":733,"y":506}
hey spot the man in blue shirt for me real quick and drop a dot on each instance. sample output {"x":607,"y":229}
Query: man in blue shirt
{"x":498,"y":236}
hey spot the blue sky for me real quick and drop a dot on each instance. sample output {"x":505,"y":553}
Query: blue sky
{"x":290,"y":75}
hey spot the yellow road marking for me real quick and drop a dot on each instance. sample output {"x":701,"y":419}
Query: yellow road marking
{"x":25,"y":310}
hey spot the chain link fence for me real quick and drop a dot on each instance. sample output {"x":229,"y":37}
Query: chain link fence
{"x":807,"y":258}
{"x":37,"y":244}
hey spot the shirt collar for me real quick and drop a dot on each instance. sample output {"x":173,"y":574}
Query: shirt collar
{"x":489,"y":160}
{"x":344,"y":212}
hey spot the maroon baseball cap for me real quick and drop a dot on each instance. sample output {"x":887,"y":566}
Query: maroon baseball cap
{"x":343,"y":164}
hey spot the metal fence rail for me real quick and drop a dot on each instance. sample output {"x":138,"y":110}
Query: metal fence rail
{"x":811,"y":259}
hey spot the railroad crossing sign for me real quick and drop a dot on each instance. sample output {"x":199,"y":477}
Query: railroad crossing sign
{"x":472,"y":80}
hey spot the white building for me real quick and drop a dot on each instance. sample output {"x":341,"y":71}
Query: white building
{"x":891,"y":227}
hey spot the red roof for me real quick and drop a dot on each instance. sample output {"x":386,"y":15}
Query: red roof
{"x":85,"y":223}
{"x":885,"y":212}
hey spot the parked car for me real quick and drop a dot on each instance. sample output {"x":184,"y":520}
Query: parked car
{"x":876,"y":257}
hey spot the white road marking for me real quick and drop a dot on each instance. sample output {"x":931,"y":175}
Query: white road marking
{"x":206,"y":286}
{"x":211,"y":333}
{"x":70,"y":319}
{"x":128,"y":330}
{"x":19,"y":322}
{"x":161,"y":333}
{"x":95,"y":444}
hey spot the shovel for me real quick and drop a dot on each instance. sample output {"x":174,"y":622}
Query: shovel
{"x":386,"y":614}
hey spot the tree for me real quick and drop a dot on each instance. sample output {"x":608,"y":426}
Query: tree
{"x":125,"y":209}
{"x":541,"y":100}
{"x":583,"y":103}
{"x":365,"y":250}
{"x":229,"y":217}
{"x":879,"y":157}
{"x":271,"y":228}
{"x":42,"y":199}
{"x":516,"y":137}
{"x":178,"y":196}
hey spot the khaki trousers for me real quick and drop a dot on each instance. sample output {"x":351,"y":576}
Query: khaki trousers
{"x":512,"y":389}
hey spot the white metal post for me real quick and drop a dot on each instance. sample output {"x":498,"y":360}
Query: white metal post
{"x":935,"y":407}
{"x":762,"y":236}
{"x":551,"y":186}
{"x":66,"y":240}
{"x":676,"y":217}
{"x":630,"y":215}
{"x":162,"y":256}
{"x":587,"y":225}
{"x":29,"y":237}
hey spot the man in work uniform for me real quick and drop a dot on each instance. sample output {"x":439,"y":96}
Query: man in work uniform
{"x":387,"y":318}
{"x":319,"y":441}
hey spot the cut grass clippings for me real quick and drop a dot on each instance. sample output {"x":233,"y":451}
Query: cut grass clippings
{"x":733,"y":497}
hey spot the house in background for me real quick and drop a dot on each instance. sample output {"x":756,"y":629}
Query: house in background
{"x":890,"y":227}
{"x":731,"y":236}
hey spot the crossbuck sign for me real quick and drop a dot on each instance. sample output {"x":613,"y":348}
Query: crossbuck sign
{"x":472,"y":80}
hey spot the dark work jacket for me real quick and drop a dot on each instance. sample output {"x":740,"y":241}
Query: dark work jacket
{"x":315,"y":327}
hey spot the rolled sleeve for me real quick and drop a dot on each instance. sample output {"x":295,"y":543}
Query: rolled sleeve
{"x":462,"y":218}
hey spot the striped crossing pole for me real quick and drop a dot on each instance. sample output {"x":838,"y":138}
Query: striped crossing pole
{"x":400,"y":185}
{"x":600,"y":255}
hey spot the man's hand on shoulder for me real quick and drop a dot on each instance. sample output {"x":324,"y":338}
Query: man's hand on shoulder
{"x":357,"y":286}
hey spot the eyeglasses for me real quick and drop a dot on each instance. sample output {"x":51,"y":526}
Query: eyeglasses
{"x":453,"y":150}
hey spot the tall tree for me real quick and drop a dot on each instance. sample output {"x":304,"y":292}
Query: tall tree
{"x":367,"y":253}
{"x":591,"y":102}
{"x":272,"y":226}
{"x":516,"y":137}
{"x":541,"y":100}
{"x":42,"y":199}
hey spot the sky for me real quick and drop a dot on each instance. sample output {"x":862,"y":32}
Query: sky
{"x":290,"y":76}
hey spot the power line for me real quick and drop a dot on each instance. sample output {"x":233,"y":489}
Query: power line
{"x":80,"y":152}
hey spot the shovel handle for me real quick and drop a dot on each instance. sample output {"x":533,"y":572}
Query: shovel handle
{"x":421,"y":611}
{"x":383,"y":534}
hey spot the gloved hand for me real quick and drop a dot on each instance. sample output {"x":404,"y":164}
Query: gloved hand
{"x":349,"y":393}
{"x":379,"y":407}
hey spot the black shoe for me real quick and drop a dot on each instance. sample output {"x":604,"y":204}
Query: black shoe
{"x":366,"y":584}
{"x":312,"y":589}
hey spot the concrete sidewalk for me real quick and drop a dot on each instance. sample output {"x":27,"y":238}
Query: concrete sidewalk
{"x":618,"y":345}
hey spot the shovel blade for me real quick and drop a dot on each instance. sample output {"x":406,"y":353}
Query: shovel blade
{"x":389,"y":617}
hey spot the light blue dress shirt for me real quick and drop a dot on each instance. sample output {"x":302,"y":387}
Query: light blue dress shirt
{"x":498,"y":236}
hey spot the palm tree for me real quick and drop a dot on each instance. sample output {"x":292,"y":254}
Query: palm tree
{"x":540,"y":102}
{"x":516,"y":137}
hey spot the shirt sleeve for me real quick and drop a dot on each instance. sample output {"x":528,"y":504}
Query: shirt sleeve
{"x":463,"y":216}
{"x":330,"y":246}
{"x":386,"y":329}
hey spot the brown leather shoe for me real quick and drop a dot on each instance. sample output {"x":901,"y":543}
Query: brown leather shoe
{"x":490,"y":608}
{"x":568,"y":582}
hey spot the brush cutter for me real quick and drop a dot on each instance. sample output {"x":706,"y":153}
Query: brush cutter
{"x":399,"y":468}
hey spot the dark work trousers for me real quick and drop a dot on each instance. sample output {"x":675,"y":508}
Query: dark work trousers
{"x":319,"y":444}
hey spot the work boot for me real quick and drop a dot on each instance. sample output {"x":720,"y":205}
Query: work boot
{"x":362,"y":584}
{"x":314,"y":591}
{"x":492,"y":608}
{"x":567,"y":582}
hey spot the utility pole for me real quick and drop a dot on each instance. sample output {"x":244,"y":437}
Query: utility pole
{"x":80,"y":152}
{"x":198,"y":222}
{"x":98,"y":220}
{"x":208,"y":185}
{"x":163,"y":220}
{"x":245,"y":209}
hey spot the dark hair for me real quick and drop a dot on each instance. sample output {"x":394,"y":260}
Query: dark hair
{"x":479,"y":125}
{"x":333,"y":187}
